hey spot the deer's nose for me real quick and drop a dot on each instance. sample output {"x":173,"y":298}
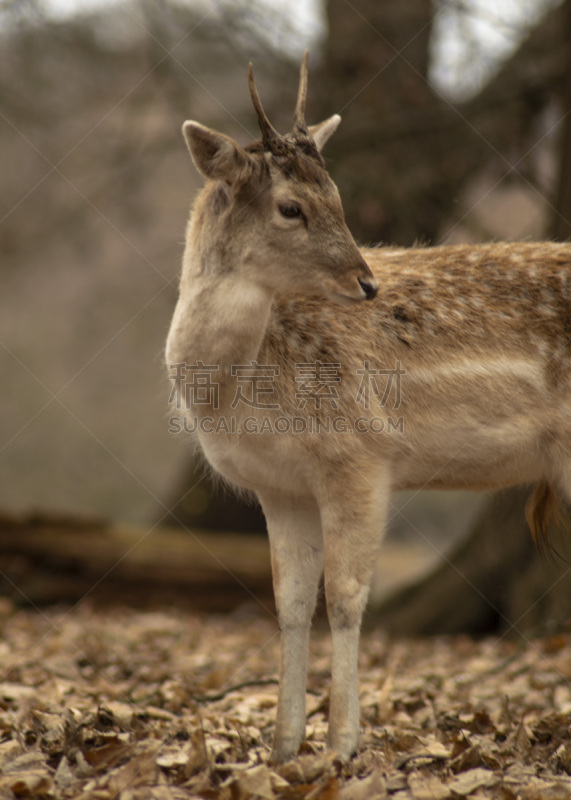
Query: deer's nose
{"x":369,"y":287}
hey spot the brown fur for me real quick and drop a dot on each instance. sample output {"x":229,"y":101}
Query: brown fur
{"x":479,"y":335}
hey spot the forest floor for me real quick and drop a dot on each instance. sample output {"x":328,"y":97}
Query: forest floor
{"x":121,"y":703}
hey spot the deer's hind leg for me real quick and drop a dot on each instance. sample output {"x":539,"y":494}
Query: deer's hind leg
{"x":296,"y":546}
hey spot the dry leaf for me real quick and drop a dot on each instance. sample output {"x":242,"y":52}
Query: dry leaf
{"x":468,"y":782}
{"x":306,"y":769}
{"x":64,"y":776}
{"x":373,"y":787}
{"x":326,"y":789}
{"x":173,"y":758}
{"x":9,"y":750}
{"x":127,"y":727}
{"x":556,"y":790}
{"x":425,"y":786}
{"x":15,"y":692}
{"x":31,"y":761}
{"x":279,"y":784}
{"x":31,"y":784}
{"x":253,"y":783}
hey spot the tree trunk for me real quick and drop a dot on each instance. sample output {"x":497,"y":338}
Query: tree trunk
{"x":375,"y":76}
{"x":561,"y":217}
{"x":494,"y":580}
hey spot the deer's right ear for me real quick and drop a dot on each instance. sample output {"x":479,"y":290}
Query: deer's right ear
{"x":323,"y":131}
{"x":216,"y":155}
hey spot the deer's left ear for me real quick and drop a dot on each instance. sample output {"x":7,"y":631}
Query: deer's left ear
{"x":216,"y":155}
{"x":324,"y":130}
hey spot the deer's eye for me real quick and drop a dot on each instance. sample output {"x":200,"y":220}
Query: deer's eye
{"x":290,"y":210}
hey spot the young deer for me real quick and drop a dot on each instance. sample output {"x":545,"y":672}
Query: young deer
{"x":455,"y":376}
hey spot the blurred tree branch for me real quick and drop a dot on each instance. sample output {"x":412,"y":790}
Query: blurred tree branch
{"x":405,"y":152}
{"x":561,"y":217}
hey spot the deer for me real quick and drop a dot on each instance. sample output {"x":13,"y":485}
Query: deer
{"x":322,"y":376}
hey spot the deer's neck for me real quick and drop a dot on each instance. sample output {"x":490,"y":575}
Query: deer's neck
{"x":219,"y":321}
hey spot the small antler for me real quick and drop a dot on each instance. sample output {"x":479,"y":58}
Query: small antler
{"x":285,"y":146}
{"x":299,"y":123}
{"x":269,"y":133}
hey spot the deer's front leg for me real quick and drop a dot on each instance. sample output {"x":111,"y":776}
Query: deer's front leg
{"x":297,"y":563}
{"x":353,"y":520}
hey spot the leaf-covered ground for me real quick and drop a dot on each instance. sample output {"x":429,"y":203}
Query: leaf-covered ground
{"x":127,"y":704}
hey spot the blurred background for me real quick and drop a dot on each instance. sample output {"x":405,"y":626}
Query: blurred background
{"x":456,"y":128}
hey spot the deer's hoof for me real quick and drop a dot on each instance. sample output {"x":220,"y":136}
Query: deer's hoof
{"x":284,"y":750}
{"x":344,"y":745}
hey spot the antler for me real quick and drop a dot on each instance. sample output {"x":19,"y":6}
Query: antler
{"x":285,"y":146}
{"x":269,"y":133}
{"x":299,"y":123}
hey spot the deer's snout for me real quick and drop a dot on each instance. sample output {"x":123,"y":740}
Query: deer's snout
{"x":353,"y":281}
{"x":367,"y":282}
{"x":369,"y":286}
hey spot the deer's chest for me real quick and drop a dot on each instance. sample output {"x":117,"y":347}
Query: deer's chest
{"x":255,"y":457}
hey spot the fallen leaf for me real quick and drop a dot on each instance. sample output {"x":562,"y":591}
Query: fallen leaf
{"x":468,"y":782}
{"x":64,"y":776}
{"x":326,"y":789}
{"x":31,"y":784}
{"x":373,"y":787}
{"x":9,"y":750}
{"x":253,"y":783}
{"x":557,"y":790}
{"x":425,"y":786}
{"x":306,"y":769}
{"x":15,"y":692}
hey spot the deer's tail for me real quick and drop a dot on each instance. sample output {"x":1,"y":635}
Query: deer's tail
{"x":542,"y":514}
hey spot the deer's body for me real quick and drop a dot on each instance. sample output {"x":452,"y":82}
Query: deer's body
{"x":480,"y":337}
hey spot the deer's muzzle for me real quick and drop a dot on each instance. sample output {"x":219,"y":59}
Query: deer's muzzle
{"x":370,"y":287}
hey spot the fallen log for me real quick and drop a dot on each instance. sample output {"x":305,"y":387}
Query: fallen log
{"x":53,"y":559}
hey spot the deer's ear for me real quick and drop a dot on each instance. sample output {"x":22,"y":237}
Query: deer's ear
{"x":324,"y":130}
{"x":216,"y":155}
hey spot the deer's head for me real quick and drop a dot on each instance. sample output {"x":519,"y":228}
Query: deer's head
{"x":271,"y":211}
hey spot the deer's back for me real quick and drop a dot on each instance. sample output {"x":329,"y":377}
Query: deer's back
{"x":442,"y":303}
